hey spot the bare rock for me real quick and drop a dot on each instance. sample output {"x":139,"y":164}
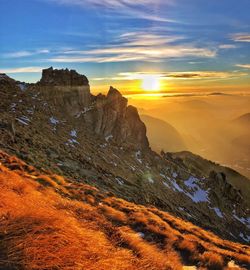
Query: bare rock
{"x":65,"y":89}
{"x":62,"y":77}
{"x":114,"y":120}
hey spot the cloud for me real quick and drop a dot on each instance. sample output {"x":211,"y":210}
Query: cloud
{"x":22,"y":70}
{"x":137,"y":46}
{"x":241,"y":37}
{"x":194,"y":75}
{"x":243,"y":65}
{"x":20,"y":54}
{"x":140,"y":9}
{"x":227,"y":46}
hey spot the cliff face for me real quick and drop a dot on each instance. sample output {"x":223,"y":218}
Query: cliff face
{"x":117,"y":121}
{"x":63,"y":77}
{"x":67,"y":90}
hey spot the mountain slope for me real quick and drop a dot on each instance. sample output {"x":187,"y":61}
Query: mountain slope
{"x":56,"y":218}
{"x":196,"y":163}
{"x":162,"y":136}
{"x":243,"y":120}
{"x":60,"y":126}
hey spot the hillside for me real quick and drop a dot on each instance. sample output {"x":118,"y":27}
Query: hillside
{"x":243,"y":120}
{"x":57,"y":125}
{"x":196,"y":163}
{"x":46,"y":220}
{"x":162,"y":135}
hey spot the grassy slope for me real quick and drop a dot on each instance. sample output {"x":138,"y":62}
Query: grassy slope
{"x":49,"y":223}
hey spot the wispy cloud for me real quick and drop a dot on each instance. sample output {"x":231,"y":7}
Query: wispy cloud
{"x":243,"y":65}
{"x":227,"y":46}
{"x":241,"y":37}
{"x":20,"y":54}
{"x":22,"y":70}
{"x":194,"y":75}
{"x":137,"y":46}
{"x":140,"y":9}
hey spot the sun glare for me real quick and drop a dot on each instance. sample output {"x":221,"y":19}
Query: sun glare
{"x":150,"y":83}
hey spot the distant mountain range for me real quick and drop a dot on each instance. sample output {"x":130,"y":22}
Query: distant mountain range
{"x":162,"y":135}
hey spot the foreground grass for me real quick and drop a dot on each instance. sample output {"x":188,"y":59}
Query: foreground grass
{"x":47,"y":222}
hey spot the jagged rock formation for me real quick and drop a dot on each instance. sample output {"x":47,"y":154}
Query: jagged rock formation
{"x":63,"y":77}
{"x":113,"y":119}
{"x":102,"y":141}
{"x":107,"y":116}
{"x":227,"y":190}
{"x":65,"y":89}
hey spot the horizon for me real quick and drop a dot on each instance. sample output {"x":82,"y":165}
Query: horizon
{"x":168,"y":46}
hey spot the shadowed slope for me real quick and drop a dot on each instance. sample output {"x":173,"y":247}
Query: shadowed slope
{"x":162,"y":135}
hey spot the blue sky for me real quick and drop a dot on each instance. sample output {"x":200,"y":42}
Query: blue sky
{"x":184,"y":42}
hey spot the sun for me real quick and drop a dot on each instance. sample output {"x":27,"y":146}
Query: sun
{"x":150,"y":83}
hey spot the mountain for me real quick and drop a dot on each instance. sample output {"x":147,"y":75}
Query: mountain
{"x":50,"y":222}
{"x":162,"y":135}
{"x":243,"y":120}
{"x":57,"y":125}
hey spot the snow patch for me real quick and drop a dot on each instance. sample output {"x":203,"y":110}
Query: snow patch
{"x":195,"y":193}
{"x":22,"y":86}
{"x":23,"y":120}
{"x":165,"y":184}
{"x":174,"y":174}
{"x":199,"y":195}
{"x":119,"y":181}
{"x":72,"y":142}
{"x":218,"y":212}
{"x":53,"y":120}
{"x":245,"y":237}
{"x":73,"y":133}
{"x":141,"y":234}
{"x":245,"y":221}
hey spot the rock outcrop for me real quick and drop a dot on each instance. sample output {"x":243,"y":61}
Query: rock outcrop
{"x":116,"y":121}
{"x":66,"y":89}
{"x":226,"y":189}
{"x":62,"y":77}
{"x":107,"y":116}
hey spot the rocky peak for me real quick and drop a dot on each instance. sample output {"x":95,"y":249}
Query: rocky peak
{"x":67,"y":90}
{"x":113,"y":93}
{"x":114,"y":119}
{"x":62,"y":77}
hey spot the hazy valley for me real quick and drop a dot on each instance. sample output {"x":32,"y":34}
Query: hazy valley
{"x":214,"y":126}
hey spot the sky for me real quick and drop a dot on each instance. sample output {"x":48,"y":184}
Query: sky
{"x":174,"y":45}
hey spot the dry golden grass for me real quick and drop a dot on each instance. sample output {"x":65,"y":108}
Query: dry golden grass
{"x":212,"y":260}
{"x":49,"y":223}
